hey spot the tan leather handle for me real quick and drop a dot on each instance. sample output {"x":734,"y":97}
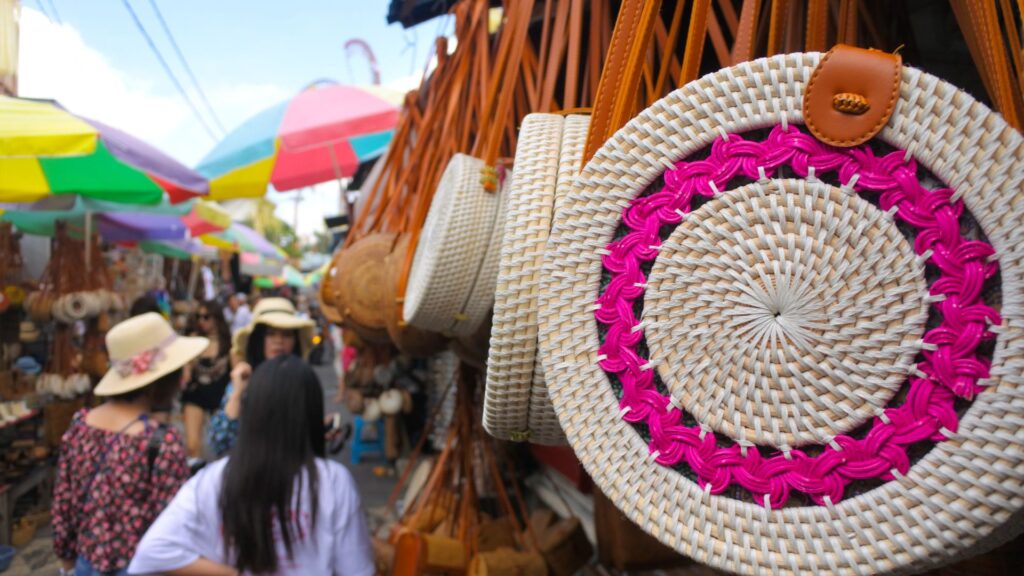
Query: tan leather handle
{"x":621,"y":71}
{"x":979,"y":22}
{"x":746,"y":31}
{"x":695,"y":40}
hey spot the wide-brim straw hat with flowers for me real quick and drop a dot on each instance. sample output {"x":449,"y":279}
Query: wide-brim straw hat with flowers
{"x":142,"y":349}
{"x":276,"y":313}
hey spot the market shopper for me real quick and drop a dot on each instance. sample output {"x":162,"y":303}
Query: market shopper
{"x":207,"y":377}
{"x":241,"y":316}
{"x":275,"y":331}
{"x":276,"y":505}
{"x":143,"y":304}
{"x":118,"y":468}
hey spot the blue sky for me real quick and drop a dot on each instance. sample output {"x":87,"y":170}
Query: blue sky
{"x":246,"y":54}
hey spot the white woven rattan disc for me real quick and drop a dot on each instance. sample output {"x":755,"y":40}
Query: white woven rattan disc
{"x":962,"y":494}
{"x":481,"y":297}
{"x":544,"y":425}
{"x":802,"y":313}
{"x":527,"y":222}
{"x":451,"y":247}
{"x":516,"y":403}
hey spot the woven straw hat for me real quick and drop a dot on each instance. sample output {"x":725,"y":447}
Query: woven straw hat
{"x":142,"y":349}
{"x":780,"y":357}
{"x":548,"y":156}
{"x":454,"y":270}
{"x":276,"y":313}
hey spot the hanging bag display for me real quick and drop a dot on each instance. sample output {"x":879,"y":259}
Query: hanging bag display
{"x":548,"y":157}
{"x":454,"y":269}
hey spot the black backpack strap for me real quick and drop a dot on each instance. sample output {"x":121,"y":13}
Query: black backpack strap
{"x":156,"y":441}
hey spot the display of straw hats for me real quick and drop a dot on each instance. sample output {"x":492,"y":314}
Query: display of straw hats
{"x":142,"y":349}
{"x":782,"y":357}
{"x":276,"y":313}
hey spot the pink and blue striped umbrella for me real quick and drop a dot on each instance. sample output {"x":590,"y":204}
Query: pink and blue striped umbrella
{"x":321,"y":134}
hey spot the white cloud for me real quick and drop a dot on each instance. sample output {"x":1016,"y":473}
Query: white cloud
{"x":57,"y":63}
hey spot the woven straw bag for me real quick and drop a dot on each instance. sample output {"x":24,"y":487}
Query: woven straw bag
{"x":783,"y":357}
{"x":516,"y":404}
{"x":450,"y":287}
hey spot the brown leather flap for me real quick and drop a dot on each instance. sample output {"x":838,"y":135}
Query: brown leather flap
{"x":851,"y":95}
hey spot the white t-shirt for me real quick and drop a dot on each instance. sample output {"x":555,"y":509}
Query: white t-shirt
{"x":242,"y":318}
{"x":190,"y":528}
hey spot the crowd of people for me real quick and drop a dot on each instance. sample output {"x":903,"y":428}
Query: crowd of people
{"x":133,"y":497}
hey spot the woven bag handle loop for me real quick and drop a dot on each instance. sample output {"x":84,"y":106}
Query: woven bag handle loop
{"x":746,"y":30}
{"x":508,"y":65}
{"x":455,"y":122}
{"x":722,"y":50}
{"x":1002,"y":78}
{"x":569,"y":98}
{"x":625,"y":61}
{"x":670,"y":66}
{"x":621,"y":71}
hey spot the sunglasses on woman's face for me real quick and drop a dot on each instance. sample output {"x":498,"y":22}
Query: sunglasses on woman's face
{"x":205,"y":317}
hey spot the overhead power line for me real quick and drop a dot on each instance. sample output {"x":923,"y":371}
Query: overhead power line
{"x":167,"y":69}
{"x":184,"y":63}
{"x":53,"y":6}
{"x":39,"y":4}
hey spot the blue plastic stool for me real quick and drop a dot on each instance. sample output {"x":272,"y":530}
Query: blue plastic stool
{"x":361,"y":445}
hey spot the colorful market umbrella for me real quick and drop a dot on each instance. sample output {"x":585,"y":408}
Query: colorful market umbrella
{"x":255,"y":264}
{"x":206,"y":217}
{"x":138,"y":226}
{"x":41,"y":217}
{"x":46,"y":150}
{"x":241,"y":238}
{"x":289,"y":276}
{"x":180,"y":249}
{"x":321,"y":134}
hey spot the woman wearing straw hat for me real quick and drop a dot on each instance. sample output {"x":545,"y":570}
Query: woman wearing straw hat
{"x":303,"y":514}
{"x":275,"y":331}
{"x":118,"y":469}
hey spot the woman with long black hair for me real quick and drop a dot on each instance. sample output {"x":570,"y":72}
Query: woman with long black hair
{"x":275,"y":505}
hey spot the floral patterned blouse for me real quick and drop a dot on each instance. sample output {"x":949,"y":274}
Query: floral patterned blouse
{"x":222,"y":430}
{"x":103,"y":506}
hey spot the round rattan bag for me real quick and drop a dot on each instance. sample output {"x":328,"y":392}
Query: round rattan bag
{"x":454,"y":270}
{"x":548,"y":156}
{"x":783,"y":357}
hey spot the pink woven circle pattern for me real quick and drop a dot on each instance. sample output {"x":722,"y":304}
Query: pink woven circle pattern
{"x":951,"y":366}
